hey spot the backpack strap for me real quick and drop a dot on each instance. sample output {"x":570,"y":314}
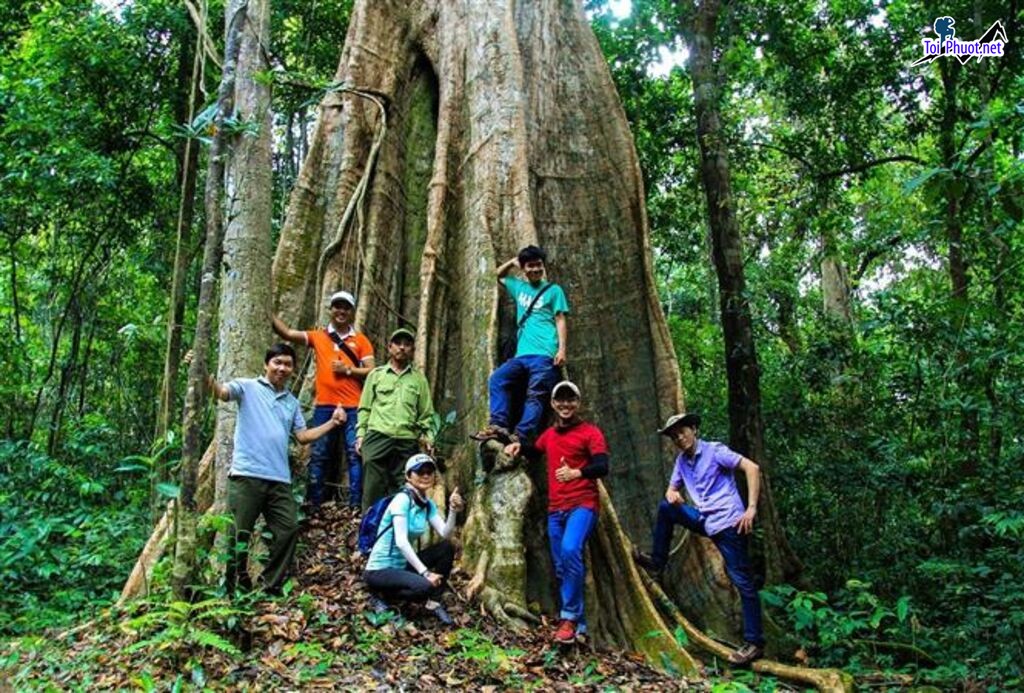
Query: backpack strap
{"x":344,"y":347}
{"x":390,"y":524}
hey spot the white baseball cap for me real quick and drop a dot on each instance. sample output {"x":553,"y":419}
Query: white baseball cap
{"x":417,"y":461}
{"x":342,"y":296}
{"x":566,"y":384}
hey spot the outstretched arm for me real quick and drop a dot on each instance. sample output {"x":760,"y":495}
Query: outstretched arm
{"x":285,"y":332}
{"x":218,"y":390}
{"x":308,"y":435}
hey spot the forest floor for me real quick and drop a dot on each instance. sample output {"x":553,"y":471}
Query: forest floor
{"x":323,"y":635}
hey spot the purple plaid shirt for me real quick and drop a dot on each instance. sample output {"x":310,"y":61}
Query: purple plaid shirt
{"x":711,"y":484}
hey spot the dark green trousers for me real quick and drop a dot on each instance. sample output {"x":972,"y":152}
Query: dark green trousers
{"x":384,"y":465}
{"x":248,"y":498}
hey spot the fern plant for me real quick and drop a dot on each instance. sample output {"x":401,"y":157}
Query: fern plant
{"x":173,"y":628}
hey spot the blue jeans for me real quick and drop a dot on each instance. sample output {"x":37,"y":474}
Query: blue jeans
{"x":733,"y":547}
{"x":321,"y":458}
{"x":568,"y":531}
{"x":538,"y":374}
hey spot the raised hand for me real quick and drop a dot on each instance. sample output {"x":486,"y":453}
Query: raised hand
{"x":455,"y":501}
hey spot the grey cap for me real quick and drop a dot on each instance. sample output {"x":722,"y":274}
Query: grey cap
{"x":683,"y":419}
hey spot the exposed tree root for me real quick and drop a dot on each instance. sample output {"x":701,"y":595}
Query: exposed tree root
{"x":502,"y":607}
{"x":826,"y":680}
{"x":494,"y":537}
{"x":623,"y":613}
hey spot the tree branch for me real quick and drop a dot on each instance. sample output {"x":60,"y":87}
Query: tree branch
{"x":873,"y":255}
{"x":870,"y":164}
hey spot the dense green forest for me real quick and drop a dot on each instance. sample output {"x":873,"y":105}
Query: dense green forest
{"x":880,"y":209}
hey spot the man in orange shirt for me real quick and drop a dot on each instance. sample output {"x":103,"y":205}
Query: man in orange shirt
{"x":343,"y":359}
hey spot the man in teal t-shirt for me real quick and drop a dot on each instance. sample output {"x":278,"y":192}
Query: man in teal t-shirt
{"x":541,"y":308}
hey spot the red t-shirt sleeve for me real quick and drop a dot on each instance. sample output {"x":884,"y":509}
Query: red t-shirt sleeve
{"x":596,"y":443}
{"x":542,"y":441}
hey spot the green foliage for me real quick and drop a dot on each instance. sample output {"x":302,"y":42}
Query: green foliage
{"x":474,"y":645}
{"x":892,"y":438}
{"x":67,"y":533}
{"x":889,"y":437}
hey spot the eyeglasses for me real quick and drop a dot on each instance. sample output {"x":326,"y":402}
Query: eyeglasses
{"x":424,"y":471}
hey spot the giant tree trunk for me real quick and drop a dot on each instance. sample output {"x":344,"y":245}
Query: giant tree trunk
{"x":498,"y":126}
{"x":746,"y":424}
{"x":502,"y":128}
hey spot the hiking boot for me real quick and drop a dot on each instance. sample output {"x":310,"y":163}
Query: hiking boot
{"x":493,"y":432}
{"x":441,"y":614}
{"x":647,"y":562}
{"x":378,"y":605}
{"x":566,"y":631}
{"x":746,"y":654}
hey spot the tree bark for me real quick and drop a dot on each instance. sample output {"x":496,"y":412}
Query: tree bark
{"x":186,"y":512}
{"x":245,"y":291}
{"x":835,"y":287}
{"x":746,"y":424}
{"x":959,"y":283}
{"x":947,"y":146}
{"x":67,"y":374}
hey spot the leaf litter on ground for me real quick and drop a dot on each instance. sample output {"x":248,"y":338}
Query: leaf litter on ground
{"x":323,"y":634}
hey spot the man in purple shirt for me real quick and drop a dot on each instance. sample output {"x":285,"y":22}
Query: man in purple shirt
{"x":707,"y":471}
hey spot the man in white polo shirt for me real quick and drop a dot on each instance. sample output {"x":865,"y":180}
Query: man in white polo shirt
{"x":260,"y":480}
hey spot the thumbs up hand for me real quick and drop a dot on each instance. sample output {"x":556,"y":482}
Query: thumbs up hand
{"x":566,"y":473}
{"x":455,"y":501}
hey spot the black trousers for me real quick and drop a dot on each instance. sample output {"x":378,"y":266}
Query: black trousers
{"x":405,"y":584}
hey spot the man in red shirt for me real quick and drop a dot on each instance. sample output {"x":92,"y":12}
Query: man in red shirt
{"x":343,"y":359}
{"x":577,"y":456}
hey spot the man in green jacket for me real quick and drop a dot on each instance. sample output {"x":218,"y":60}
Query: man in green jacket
{"x":395,"y":419}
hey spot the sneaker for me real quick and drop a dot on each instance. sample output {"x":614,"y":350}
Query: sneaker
{"x":441,"y":614}
{"x":746,"y":654}
{"x":493,"y":432}
{"x":566,"y":631}
{"x":647,"y":562}
{"x":378,"y":605}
